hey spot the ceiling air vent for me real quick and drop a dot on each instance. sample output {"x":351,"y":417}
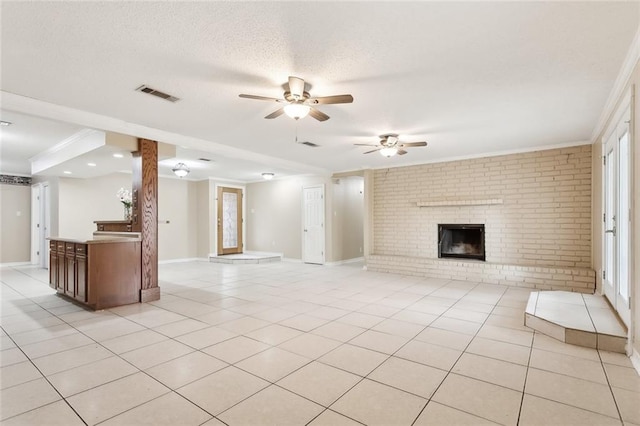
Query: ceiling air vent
{"x":311,"y":144}
{"x":157,"y":93}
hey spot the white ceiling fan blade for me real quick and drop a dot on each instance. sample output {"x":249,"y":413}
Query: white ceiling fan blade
{"x":413,"y":144}
{"x":275,"y":114}
{"x":318,"y":115}
{"x":335,"y":99}
{"x":260,"y":98}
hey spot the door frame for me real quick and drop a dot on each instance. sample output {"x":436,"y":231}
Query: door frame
{"x":215,"y":215}
{"x":40,"y":223}
{"x":621,"y":122}
{"x":324,"y":223}
{"x":36,"y":222}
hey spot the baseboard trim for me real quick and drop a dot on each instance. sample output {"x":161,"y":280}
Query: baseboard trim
{"x":187,"y":259}
{"x":346,"y":261}
{"x":10,"y":264}
{"x":264,"y":253}
{"x":149,"y":294}
{"x":635,"y":359}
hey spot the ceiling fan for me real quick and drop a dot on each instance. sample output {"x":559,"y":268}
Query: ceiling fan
{"x":299,"y":103}
{"x":390,"y":145}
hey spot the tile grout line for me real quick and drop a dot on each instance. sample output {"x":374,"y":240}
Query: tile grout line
{"x":526,"y":376}
{"x":613,"y":396}
{"x":458,"y":359}
{"x":47,"y":380}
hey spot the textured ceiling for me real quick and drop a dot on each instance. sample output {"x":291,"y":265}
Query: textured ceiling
{"x":470,"y":78}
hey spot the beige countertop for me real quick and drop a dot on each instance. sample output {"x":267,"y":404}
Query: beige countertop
{"x":100,"y":239}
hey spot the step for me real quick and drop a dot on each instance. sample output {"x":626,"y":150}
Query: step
{"x":245,"y":258}
{"x":575,"y":318}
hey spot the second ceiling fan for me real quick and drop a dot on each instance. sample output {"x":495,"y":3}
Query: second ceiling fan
{"x":299,"y":103}
{"x":390,"y":145}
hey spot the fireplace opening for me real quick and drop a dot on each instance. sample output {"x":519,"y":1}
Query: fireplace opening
{"x":463,"y":241}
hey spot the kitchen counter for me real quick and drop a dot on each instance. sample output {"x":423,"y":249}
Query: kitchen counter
{"x":100,"y":272}
{"x":107,"y":237}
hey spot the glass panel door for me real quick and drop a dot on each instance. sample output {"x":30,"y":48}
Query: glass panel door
{"x":609,"y":258}
{"x":617,"y":205}
{"x":229,"y":226}
{"x":623,"y":231}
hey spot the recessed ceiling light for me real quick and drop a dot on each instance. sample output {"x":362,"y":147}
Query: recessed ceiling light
{"x":117,"y":155}
{"x":67,"y":172}
{"x":5,"y":123}
{"x":91,"y":164}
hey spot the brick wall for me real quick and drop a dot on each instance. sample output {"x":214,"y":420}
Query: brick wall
{"x":536,"y":208}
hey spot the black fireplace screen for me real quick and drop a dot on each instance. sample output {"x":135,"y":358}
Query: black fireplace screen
{"x":465,"y":241}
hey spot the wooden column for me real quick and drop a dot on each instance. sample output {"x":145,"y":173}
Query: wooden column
{"x":145,"y":214}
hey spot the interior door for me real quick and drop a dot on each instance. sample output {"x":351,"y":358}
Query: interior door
{"x":229,"y":220}
{"x":617,"y":205}
{"x":35,"y":226}
{"x":313,"y":222}
{"x":45,"y":205}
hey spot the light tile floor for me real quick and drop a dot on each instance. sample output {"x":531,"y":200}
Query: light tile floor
{"x":286,"y":343}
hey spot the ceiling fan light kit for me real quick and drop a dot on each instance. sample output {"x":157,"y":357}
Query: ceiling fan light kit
{"x":297,"y":110}
{"x":299,"y":103}
{"x":389,"y":152}
{"x":391,"y":145}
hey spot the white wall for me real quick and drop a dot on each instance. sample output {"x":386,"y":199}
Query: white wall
{"x":347,"y":233}
{"x":274,"y":216}
{"x":177,"y":204}
{"x":204,"y":217}
{"x":83,"y":201}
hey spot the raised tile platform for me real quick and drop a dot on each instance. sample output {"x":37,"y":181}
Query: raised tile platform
{"x":246,"y":258}
{"x":576,"y":318}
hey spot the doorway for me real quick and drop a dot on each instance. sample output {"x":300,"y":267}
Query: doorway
{"x":313,"y":224}
{"x":617,"y":208}
{"x":230,"y":220}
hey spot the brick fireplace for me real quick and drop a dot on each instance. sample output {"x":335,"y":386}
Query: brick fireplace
{"x":535,"y":207}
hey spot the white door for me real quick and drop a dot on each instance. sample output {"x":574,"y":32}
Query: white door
{"x":45,"y":206}
{"x":617,"y":205}
{"x":313,"y":224}
{"x":40,"y":224}
{"x":35,"y":225}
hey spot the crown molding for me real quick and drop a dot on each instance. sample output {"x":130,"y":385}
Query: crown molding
{"x":619,"y":86}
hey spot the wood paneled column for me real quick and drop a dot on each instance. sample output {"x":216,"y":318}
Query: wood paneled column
{"x":145,"y":214}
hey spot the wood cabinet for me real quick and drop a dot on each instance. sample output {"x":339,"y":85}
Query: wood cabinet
{"x":100,"y":274}
{"x":113,"y":225}
{"x":68,"y":269}
{"x":57,"y":265}
{"x":53,"y":265}
{"x":80,"y":271}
